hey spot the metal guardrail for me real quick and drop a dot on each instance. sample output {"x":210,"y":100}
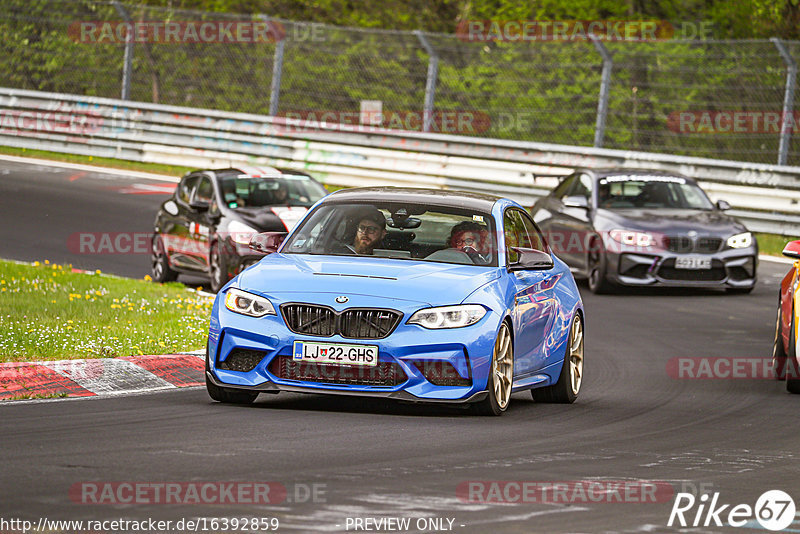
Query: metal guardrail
{"x":765,"y":197}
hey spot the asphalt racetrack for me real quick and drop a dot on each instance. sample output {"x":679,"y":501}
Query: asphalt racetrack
{"x":331,"y":461}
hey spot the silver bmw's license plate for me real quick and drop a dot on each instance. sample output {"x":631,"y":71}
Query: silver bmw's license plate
{"x":335,"y":353}
{"x":692,"y":262}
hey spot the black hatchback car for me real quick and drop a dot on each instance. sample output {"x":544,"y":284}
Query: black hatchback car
{"x":205,"y":227}
{"x":642,"y":228}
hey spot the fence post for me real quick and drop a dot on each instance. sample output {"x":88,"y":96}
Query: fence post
{"x":127,"y":68}
{"x":277,"y":73}
{"x":788,"y":101}
{"x":605,"y":83}
{"x":430,"y":84}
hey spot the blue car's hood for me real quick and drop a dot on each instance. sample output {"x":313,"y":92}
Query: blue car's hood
{"x":420,"y":282}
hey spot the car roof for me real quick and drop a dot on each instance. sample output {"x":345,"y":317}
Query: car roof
{"x":261,"y":171}
{"x":436,"y":197}
{"x":618,"y":171}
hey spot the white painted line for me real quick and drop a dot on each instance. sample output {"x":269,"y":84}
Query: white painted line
{"x":91,"y":168}
{"x":776,"y":259}
{"x":109,"y":376}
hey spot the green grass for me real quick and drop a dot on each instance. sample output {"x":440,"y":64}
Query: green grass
{"x":48,"y":312}
{"x":772,"y":244}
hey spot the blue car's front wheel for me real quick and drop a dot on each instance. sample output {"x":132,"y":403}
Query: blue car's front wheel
{"x":501,"y":375}
{"x":569,"y":381}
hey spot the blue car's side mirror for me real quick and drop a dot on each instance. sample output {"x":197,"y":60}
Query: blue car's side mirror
{"x":531,"y":259}
{"x":267,"y":242}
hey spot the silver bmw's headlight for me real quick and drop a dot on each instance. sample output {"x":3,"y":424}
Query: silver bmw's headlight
{"x":246,"y":303}
{"x":448,"y":316}
{"x":742,"y":240}
{"x":632,"y":238}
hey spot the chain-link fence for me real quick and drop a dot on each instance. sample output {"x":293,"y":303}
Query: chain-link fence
{"x":717,"y":99}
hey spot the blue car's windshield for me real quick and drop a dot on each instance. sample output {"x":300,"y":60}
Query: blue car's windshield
{"x":408,"y":231}
{"x":642,"y":191}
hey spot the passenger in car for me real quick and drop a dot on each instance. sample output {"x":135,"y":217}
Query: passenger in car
{"x":472,"y":239}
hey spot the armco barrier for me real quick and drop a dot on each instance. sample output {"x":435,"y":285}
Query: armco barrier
{"x":765,"y":197}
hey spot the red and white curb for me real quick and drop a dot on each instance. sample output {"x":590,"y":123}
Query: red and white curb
{"x":102,"y":376}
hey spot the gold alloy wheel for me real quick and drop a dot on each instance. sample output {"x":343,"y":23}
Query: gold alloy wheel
{"x":503,"y":367}
{"x":576,"y":355}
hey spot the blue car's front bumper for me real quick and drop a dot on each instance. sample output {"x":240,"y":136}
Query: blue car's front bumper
{"x":413,"y":350}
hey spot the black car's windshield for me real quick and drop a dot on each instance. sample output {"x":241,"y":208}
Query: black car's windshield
{"x":242,"y":191}
{"x":641,"y":191}
{"x":401,"y":231}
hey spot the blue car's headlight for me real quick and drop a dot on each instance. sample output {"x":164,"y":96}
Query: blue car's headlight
{"x":448,"y":316}
{"x":743,"y":240}
{"x":246,"y":303}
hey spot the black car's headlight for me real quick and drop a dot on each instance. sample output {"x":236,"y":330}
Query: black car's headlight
{"x":448,"y":316}
{"x":246,"y":303}
{"x":742,"y":240}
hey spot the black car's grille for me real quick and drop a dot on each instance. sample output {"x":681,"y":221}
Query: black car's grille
{"x":385,"y":374}
{"x":243,"y":360}
{"x":705,"y":245}
{"x":678,"y":244}
{"x":716,"y":273}
{"x":354,"y":323}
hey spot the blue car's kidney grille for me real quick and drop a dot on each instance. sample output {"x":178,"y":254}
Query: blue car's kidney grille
{"x":368,"y":324}
{"x":385,"y":374}
{"x":356,"y":323}
{"x":308,"y":319}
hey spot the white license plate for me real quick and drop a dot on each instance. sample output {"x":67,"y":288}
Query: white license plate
{"x":335,"y":353}
{"x":692,"y":262}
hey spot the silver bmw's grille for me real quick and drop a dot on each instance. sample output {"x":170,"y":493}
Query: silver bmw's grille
{"x":703,"y":244}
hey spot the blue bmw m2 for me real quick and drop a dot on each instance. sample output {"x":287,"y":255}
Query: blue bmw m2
{"x":411,"y":294}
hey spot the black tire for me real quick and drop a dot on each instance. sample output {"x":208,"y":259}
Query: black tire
{"x":160,"y":270}
{"x":502,"y":356}
{"x":566,"y":390}
{"x":792,"y":369}
{"x":217,"y":267}
{"x":226,"y":395}
{"x":778,"y":352}
{"x":596,"y":267}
